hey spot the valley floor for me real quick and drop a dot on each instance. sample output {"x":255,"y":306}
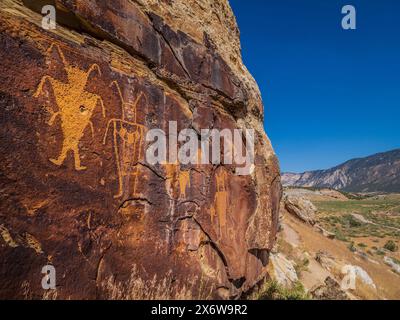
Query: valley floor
{"x":360,"y":232}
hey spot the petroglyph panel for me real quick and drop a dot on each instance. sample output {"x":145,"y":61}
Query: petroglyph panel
{"x":76,"y":191}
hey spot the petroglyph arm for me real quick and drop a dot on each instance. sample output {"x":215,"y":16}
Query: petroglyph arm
{"x":93,"y":67}
{"x":53,"y":117}
{"x":91,"y":128}
{"x":60,"y":53}
{"x":93,"y":96}
{"x":39,"y":89}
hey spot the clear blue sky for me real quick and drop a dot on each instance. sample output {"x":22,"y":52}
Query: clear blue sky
{"x":329,"y":94}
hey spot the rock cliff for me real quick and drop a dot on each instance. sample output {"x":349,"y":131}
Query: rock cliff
{"x":76,"y":192}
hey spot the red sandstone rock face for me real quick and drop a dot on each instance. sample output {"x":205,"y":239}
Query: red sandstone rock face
{"x":75,"y":189}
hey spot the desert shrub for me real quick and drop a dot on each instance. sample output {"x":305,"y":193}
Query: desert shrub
{"x":351,"y":221}
{"x":351,"y":247}
{"x":272,"y":290}
{"x":301,"y":266}
{"x":380,"y":252}
{"x":354,"y":196}
{"x":391,"y":246}
{"x":362,"y":245}
{"x":339,"y":235}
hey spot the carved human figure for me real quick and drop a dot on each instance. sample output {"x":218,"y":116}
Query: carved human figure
{"x":75,"y":106}
{"x":128,"y":143}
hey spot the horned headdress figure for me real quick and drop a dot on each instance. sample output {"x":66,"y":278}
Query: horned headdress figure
{"x":128,"y":141}
{"x":75,"y":106}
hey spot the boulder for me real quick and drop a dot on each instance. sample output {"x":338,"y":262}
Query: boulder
{"x":391,"y":263}
{"x":301,"y":208}
{"x":327,"y":261}
{"x":330,"y":290}
{"x":282,"y":270}
{"x":324,"y":232}
{"x":364,"y":277}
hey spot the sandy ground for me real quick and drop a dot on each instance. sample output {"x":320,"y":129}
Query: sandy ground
{"x":307,"y":241}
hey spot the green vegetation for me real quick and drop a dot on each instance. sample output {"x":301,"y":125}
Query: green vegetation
{"x":301,"y":266}
{"x":391,"y":246}
{"x":273,"y":291}
{"x":354,"y":196}
{"x":351,"y":247}
{"x":339,"y":235}
{"x":395,"y":260}
{"x":379,"y":217}
{"x":380,"y":252}
{"x":305,"y":188}
{"x":361,"y":206}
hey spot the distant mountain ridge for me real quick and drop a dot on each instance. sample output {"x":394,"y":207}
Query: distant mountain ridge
{"x":376,"y":173}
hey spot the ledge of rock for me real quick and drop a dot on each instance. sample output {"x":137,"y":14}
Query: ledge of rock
{"x":301,"y":208}
{"x":75,"y":191}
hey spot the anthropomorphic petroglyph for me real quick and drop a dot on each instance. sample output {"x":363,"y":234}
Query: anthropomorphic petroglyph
{"x":128,"y":142}
{"x":75,"y":106}
{"x":220,"y":209}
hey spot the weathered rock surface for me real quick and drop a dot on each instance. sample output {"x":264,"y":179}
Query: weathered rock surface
{"x":391,"y":263}
{"x":301,"y":208}
{"x":364,"y":277}
{"x":75,"y":191}
{"x":330,"y":290}
{"x":327,"y":261}
{"x":282,"y":270}
{"x":324,"y":232}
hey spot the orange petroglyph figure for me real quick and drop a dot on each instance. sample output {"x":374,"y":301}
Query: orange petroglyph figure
{"x":176,"y":180}
{"x":220,"y":200}
{"x":184,"y":181}
{"x":128,"y":140}
{"x":75,"y":106}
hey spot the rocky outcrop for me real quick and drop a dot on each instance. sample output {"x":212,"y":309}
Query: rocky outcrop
{"x":327,"y":261}
{"x":391,"y":263}
{"x":324,"y":232}
{"x":302,"y":209}
{"x":282,"y":270}
{"x":330,"y":290}
{"x":76,"y":192}
{"x":363,"y":277}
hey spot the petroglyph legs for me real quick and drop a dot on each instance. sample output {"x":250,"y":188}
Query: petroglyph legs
{"x":127,"y":144}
